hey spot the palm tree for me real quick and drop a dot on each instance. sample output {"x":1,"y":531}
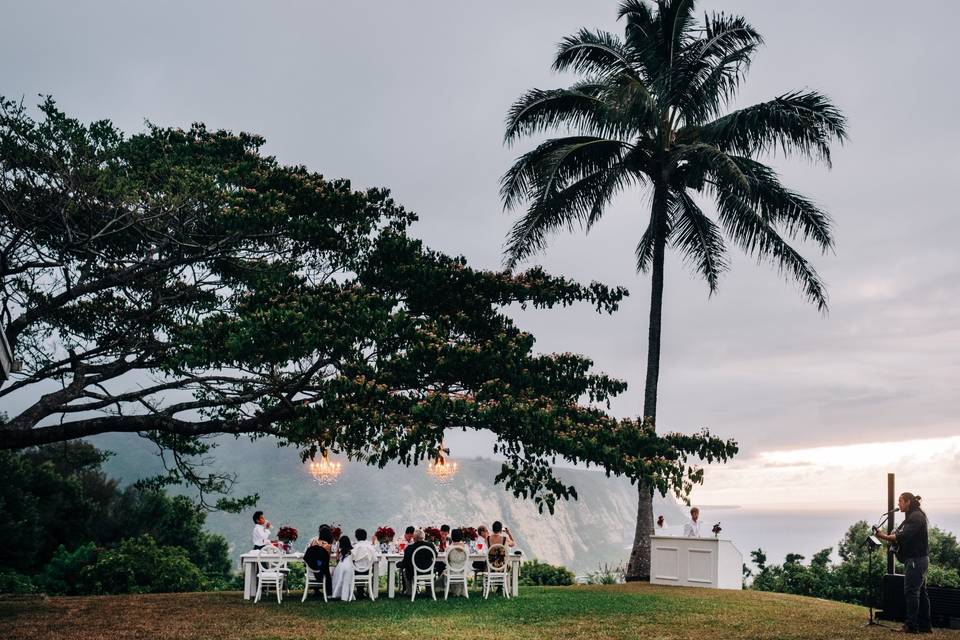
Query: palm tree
{"x":648,"y":113}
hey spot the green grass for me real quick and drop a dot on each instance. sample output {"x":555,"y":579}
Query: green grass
{"x":540,"y":613}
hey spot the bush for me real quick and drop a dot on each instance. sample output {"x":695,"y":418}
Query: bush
{"x":15,"y":583}
{"x":607,"y":574}
{"x":62,"y":574}
{"x":534,"y":572}
{"x":939,"y":576}
{"x":140,"y":565}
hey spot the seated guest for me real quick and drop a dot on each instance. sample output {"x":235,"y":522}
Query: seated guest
{"x":500,"y":535}
{"x":317,"y":556}
{"x":407,"y":540}
{"x":456,"y":542}
{"x":482,"y":534}
{"x":444,"y":534}
{"x":418,"y":542}
{"x":692,"y":528}
{"x":343,"y":574}
{"x":261,"y":531}
{"x":364,"y":553}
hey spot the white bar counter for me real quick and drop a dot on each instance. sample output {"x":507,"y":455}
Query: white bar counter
{"x":695,"y":562}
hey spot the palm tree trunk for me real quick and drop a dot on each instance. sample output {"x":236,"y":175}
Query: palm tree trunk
{"x":639,"y":565}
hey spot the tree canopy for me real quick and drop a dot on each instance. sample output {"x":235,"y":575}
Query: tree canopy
{"x":179,"y":284}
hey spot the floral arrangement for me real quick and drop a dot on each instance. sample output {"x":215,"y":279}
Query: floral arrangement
{"x":336,"y":531}
{"x":716,"y":529}
{"x":384,"y":534}
{"x":432,"y":534}
{"x":287,"y":534}
{"x":469,"y":533}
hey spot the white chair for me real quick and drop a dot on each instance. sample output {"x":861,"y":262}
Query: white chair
{"x":363,"y":559}
{"x":457,"y":558}
{"x":271,"y":571}
{"x":427,"y":558}
{"x":312,"y":579}
{"x":498,"y":571}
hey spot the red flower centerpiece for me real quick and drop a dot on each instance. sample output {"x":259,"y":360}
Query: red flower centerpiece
{"x":286,"y":535}
{"x":469,"y":533}
{"x":716,"y":530}
{"x":432,"y":534}
{"x":384,"y":534}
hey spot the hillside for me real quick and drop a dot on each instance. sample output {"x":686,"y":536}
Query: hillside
{"x":596,"y":528}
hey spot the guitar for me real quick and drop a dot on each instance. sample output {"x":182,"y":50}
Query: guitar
{"x":893,"y":546}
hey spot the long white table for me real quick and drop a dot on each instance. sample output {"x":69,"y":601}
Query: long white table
{"x":248,"y":561}
{"x":514,"y":558}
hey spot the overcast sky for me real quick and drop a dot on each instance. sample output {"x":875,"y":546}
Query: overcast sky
{"x":412,"y":96}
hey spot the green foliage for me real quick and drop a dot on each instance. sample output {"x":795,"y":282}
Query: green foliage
{"x":940,"y":576}
{"x":62,"y":505}
{"x":173,"y":521}
{"x":265,"y":299}
{"x":139,"y":565}
{"x":62,"y":574}
{"x":12,"y":582}
{"x":534,"y":572}
{"x":606,"y":574}
{"x":53,"y":496}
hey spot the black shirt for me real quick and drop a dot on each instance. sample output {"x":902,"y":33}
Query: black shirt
{"x":912,"y":536}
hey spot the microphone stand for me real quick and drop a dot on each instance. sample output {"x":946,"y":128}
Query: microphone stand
{"x":872,"y":543}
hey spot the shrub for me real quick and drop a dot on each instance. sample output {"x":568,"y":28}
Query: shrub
{"x":607,"y":574}
{"x":16,"y":583}
{"x":140,"y":565}
{"x":534,"y":572}
{"x":939,"y":576}
{"x":62,"y":574}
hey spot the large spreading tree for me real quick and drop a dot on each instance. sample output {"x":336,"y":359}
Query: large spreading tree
{"x":649,"y":113}
{"x":180,"y":285}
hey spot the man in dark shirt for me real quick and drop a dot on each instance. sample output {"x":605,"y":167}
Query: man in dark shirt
{"x":407,"y":563}
{"x":912,"y":546}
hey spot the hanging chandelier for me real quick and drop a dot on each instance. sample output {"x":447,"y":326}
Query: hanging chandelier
{"x":324,"y":471}
{"x":442,"y":469}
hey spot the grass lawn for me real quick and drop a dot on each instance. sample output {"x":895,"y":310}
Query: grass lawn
{"x":622,"y":611}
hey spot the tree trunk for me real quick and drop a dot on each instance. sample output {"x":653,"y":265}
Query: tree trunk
{"x":639,"y":565}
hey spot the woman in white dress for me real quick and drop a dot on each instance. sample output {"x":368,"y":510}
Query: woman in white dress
{"x":343,"y":574}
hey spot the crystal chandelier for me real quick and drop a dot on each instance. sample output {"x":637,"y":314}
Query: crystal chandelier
{"x":324,"y":471}
{"x":442,"y":469}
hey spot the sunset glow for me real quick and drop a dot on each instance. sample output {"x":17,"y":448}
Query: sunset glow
{"x":838,"y":477}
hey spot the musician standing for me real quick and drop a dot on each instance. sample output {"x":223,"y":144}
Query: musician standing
{"x":911,"y":543}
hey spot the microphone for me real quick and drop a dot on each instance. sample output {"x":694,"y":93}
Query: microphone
{"x":891,"y":511}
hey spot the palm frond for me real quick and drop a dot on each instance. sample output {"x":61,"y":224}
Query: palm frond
{"x":597,"y":54}
{"x":798,"y":122}
{"x":577,"y":204}
{"x":580,"y":107}
{"x":555,"y":164}
{"x":698,"y":239}
{"x":567,"y":181}
{"x":797,"y":215}
{"x":712,"y":67}
{"x":644,"y":38}
{"x":752,"y":233}
{"x":708,"y":159}
{"x":644,"y":250}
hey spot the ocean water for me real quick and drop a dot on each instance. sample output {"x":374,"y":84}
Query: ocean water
{"x":781,"y":532}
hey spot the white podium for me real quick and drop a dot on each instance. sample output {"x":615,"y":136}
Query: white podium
{"x":695,"y":562}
